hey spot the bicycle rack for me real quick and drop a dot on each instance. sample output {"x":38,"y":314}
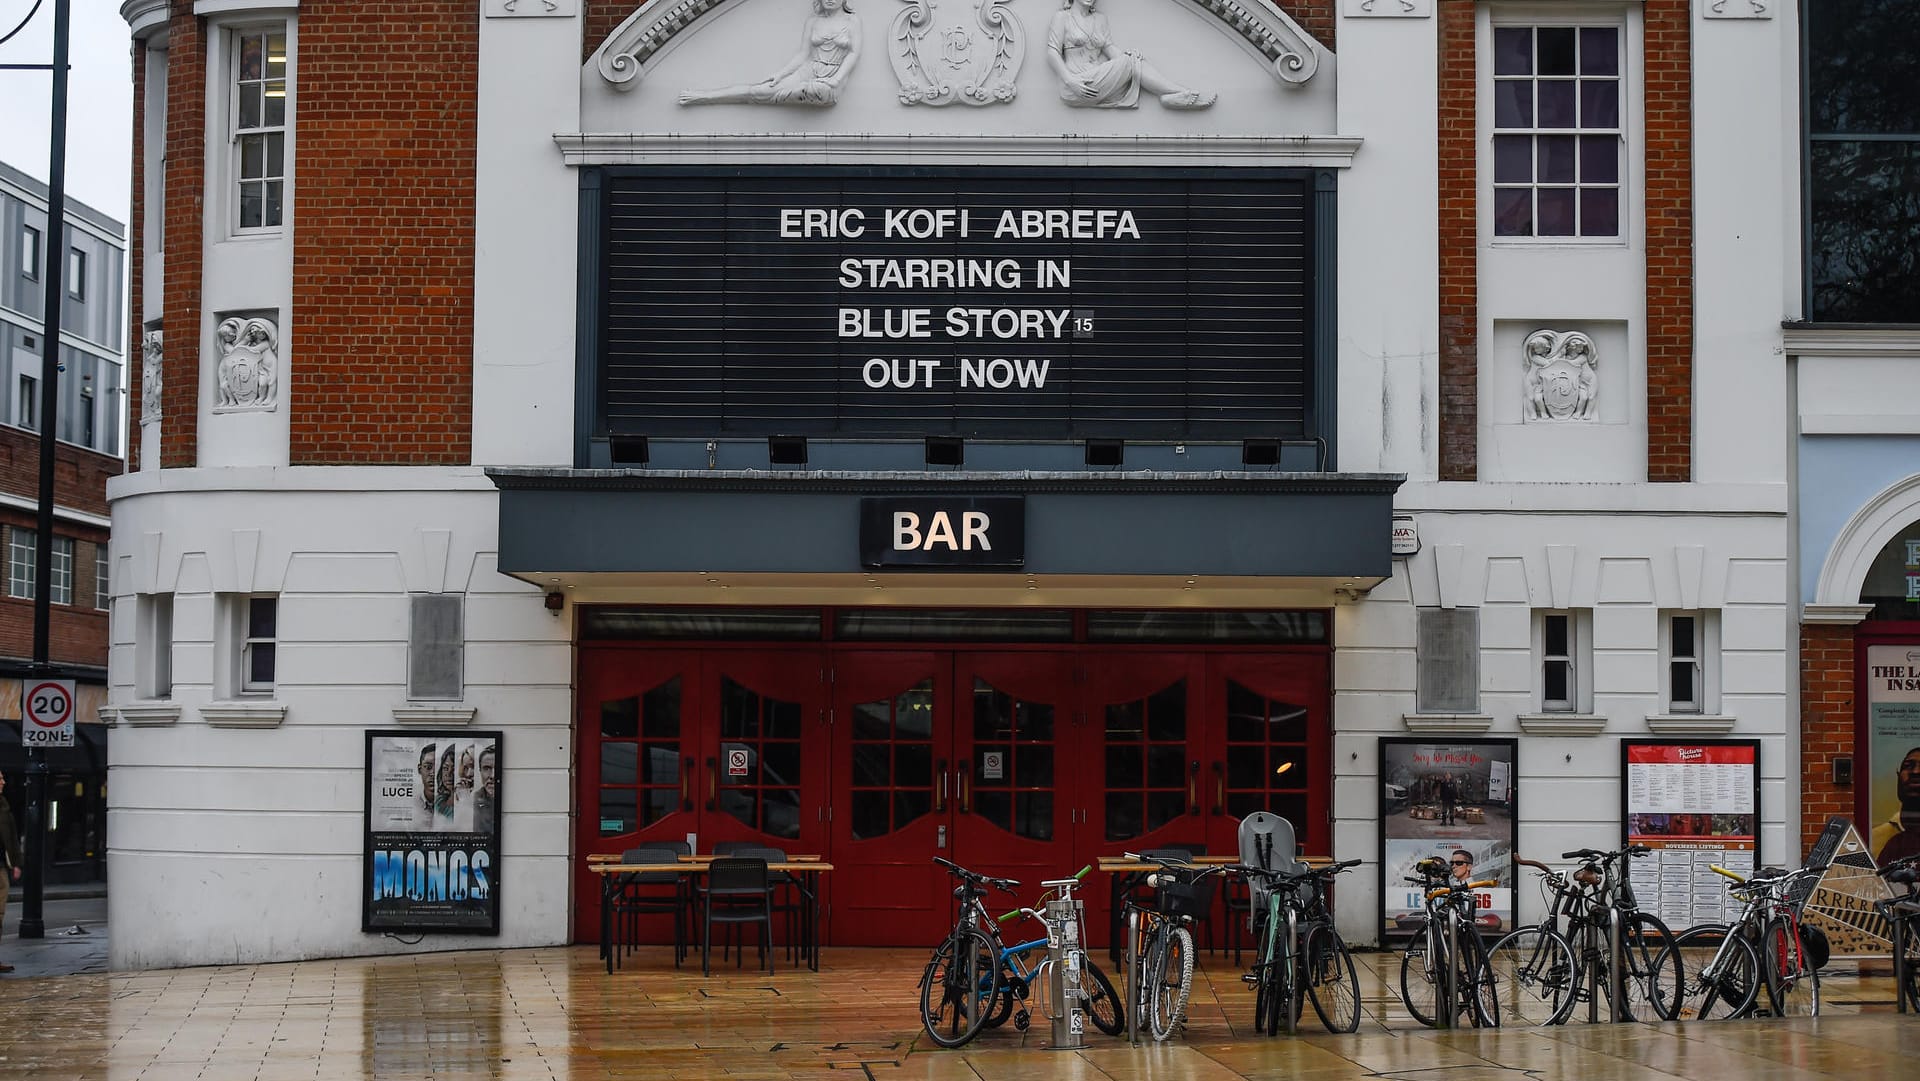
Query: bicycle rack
{"x":1065,"y":960}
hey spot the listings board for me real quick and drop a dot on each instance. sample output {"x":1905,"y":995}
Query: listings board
{"x":432,"y":850}
{"x":1455,"y":800}
{"x":1696,"y":804}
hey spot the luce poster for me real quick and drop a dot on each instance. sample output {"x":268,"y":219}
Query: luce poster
{"x":432,"y":848}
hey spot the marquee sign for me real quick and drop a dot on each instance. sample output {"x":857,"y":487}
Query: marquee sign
{"x":1006,"y":304}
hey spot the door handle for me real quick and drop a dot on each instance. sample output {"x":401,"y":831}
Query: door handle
{"x":713,"y":782}
{"x":1219,"y":788}
{"x":940,"y":803}
{"x":686,"y":783}
{"x":965,"y":774}
{"x":1193,"y":787}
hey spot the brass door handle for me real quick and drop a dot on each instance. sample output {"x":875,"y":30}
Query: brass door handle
{"x":713,"y":782}
{"x":686,"y":783}
{"x":1219,"y":788}
{"x":966,"y":805}
{"x":940,"y":803}
{"x":1193,"y":787}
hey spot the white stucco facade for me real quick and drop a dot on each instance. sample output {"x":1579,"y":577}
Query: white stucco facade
{"x":236,"y":830}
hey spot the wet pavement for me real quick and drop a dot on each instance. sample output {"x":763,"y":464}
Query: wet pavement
{"x":556,"y":1014}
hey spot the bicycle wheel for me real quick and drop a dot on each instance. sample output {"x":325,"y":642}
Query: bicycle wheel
{"x":1793,"y":985}
{"x":1103,"y":1002}
{"x":1643,"y":938}
{"x":1708,"y":972}
{"x":959,"y":987}
{"x":1169,"y":1005}
{"x":1331,"y":981}
{"x":1419,"y":986}
{"x":1530,"y":973}
{"x":1479,"y":1004}
{"x":1263,"y":975}
{"x":1012,"y":988}
{"x":1280,"y":986}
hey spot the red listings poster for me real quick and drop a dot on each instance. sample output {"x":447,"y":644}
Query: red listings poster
{"x":1695,"y":803}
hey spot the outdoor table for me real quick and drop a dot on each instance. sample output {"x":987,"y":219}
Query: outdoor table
{"x":808,"y":870}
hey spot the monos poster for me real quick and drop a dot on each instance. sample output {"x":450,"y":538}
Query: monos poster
{"x":1695,"y":803}
{"x":432,"y":854}
{"x":1453,"y":800}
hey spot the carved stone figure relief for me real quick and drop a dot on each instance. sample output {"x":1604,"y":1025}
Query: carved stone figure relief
{"x":1561,"y":381}
{"x":151,"y":355}
{"x":249,"y":364}
{"x":1097,"y":74}
{"x":829,"y":44}
{"x":966,"y":51}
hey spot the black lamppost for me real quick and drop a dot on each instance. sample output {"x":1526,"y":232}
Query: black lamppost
{"x":32,"y":925}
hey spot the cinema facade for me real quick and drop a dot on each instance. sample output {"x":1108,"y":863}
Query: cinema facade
{"x":1017,"y":434}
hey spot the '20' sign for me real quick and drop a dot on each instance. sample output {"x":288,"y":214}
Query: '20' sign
{"x":48,"y":708}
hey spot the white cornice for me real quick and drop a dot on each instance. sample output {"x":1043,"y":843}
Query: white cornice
{"x":1842,"y":614}
{"x":1443,"y":723}
{"x":261,"y":714}
{"x":78,"y":516}
{"x":1689,"y":724}
{"x":225,"y":7}
{"x":1826,"y":341}
{"x":1562,"y":724}
{"x":147,"y":19}
{"x":807,"y":148}
{"x":435,"y":715}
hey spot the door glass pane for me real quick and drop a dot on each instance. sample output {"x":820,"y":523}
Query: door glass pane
{"x":618,"y":763}
{"x":1164,"y":807}
{"x":1020,"y":734}
{"x":1267,"y":765}
{"x":1146,"y":757}
{"x":995,"y":807}
{"x":760,"y":766}
{"x":1124,"y":768}
{"x":661,"y":711}
{"x":1123,"y":815}
{"x":617,"y":811}
{"x":620,"y":718}
{"x":891,"y":761}
{"x":639,"y":759}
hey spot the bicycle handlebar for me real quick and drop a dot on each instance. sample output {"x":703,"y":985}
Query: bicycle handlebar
{"x":1605,"y":857}
{"x":1004,"y":885}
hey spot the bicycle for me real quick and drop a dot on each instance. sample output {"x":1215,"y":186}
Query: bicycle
{"x":1902,"y":913}
{"x":961,"y":982}
{"x":1298,"y":952}
{"x":1441,"y":968}
{"x":1021,"y":972}
{"x":1765,"y":947}
{"x":1532,"y":970}
{"x":1604,"y":922}
{"x":1161,"y":978}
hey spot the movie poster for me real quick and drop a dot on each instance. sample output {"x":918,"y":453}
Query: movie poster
{"x":1453,"y":800}
{"x":1892,"y":770}
{"x":432,"y":832}
{"x":1695,"y":803}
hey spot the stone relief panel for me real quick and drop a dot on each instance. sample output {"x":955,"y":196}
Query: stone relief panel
{"x":248,"y":370}
{"x":965,"y":51}
{"x":152,"y":355}
{"x":1561,"y":376}
{"x":1388,"y":9}
{"x":829,"y":44}
{"x":1097,"y":74}
{"x":531,"y":9}
{"x":1739,"y":9}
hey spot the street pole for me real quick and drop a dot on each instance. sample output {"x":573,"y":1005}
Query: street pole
{"x":31,"y":923}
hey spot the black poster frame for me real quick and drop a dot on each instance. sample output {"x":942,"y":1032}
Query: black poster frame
{"x":444,"y":849}
{"x":1506,"y":749}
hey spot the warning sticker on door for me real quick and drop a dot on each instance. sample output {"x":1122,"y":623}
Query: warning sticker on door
{"x":737,"y":763}
{"x":993,"y":765}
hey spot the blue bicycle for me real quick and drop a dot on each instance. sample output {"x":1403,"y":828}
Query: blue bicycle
{"x":1023,"y":969}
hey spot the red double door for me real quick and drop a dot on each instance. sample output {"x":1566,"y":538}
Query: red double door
{"x":1021,"y":764}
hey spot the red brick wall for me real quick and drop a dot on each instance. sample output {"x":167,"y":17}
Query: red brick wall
{"x":186,"y":187}
{"x":1826,"y":724}
{"x":1459,"y":245}
{"x":382,"y":325}
{"x":1669,"y":201}
{"x":79,"y":475}
{"x":136,"y":204}
{"x":605,"y":16}
{"x":76,"y":632}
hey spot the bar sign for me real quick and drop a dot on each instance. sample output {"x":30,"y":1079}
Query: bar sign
{"x":962,"y":532}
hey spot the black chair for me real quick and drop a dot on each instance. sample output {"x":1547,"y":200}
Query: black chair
{"x":655,"y":892}
{"x":737,"y":891}
{"x":788,"y":895}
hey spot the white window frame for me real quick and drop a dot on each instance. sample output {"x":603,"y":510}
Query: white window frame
{"x":27,"y":403}
{"x":153,"y":645}
{"x":1578,"y":660}
{"x":228,"y":84}
{"x":1706,"y":666}
{"x":1630,"y":22}
{"x":102,"y":577}
{"x":29,"y":252}
{"x":61,"y":581}
{"x":246,"y":645}
{"x":21,"y":559}
{"x":77,"y":273}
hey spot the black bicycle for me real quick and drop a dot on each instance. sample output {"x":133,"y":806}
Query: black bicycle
{"x":962,"y":981}
{"x":1299,"y":954}
{"x":1902,"y":912}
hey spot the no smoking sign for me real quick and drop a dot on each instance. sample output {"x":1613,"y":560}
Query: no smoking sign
{"x":48,"y":708}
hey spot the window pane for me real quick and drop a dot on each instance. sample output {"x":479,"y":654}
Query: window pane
{"x":260,"y":662}
{"x":783,"y":719}
{"x":869,"y":813}
{"x":1123,"y":816}
{"x":249,"y":101}
{"x":1556,"y":212}
{"x":276,"y":154}
{"x":276,"y":56}
{"x":1599,"y":159}
{"x":1512,"y":50}
{"x":1556,"y":636}
{"x":1865,"y":258}
{"x":253,"y":157}
{"x":1683,"y":638}
{"x":662,"y":764}
{"x":1556,"y":49}
{"x":1164,"y":807}
{"x":1124,"y":767}
{"x":1512,"y":159}
{"x":660,"y":711}
{"x":1033,"y":767}
{"x":870,"y":764}
{"x":619,"y":718}
{"x":1513,"y":212}
{"x":1166,"y":767}
{"x":1557,"y":158}
{"x":1599,"y":50}
{"x":1556,"y":682}
{"x":261,"y":613}
{"x":1600,"y":212}
{"x":1167,"y":713}
{"x":252,"y":58}
{"x":619,"y":763}
{"x":781,"y":762}
{"x":1556,"y":103}
{"x":908,"y":806}
{"x":1513,"y":104}
{"x":1860,"y":67}
{"x":912,"y":765}
{"x":1600,"y":104}
{"x":617,"y":811}
{"x":1681,"y":688}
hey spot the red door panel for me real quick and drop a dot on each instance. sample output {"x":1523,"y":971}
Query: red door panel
{"x":762,"y":753}
{"x":1271,"y":748}
{"x":1021,"y":766}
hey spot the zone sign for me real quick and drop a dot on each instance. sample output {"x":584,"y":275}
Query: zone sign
{"x":48,"y":709}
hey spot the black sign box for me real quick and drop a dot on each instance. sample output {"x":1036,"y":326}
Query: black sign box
{"x":960,"y":533}
{"x":1004,"y":303}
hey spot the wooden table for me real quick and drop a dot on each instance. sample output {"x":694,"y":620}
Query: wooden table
{"x":808,"y":869}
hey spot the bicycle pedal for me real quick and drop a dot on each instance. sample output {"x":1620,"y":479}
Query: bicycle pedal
{"x":1022,"y":1020}
{"x":1249,"y":979}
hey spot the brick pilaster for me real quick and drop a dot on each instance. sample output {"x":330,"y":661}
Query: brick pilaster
{"x":1669,"y":203}
{"x":1459,"y":245}
{"x":184,"y":229}
{"x":1826,"y":724}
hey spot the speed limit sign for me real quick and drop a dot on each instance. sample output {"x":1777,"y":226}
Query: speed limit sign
{"x":48,"y":706}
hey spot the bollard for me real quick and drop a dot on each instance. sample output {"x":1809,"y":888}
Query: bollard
{"x":1067,"y":958}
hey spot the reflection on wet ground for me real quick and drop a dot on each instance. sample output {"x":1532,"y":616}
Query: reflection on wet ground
{"x":555,"y":1013}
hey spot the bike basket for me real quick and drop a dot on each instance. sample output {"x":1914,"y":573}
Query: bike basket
{"x":1185,"y":898}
